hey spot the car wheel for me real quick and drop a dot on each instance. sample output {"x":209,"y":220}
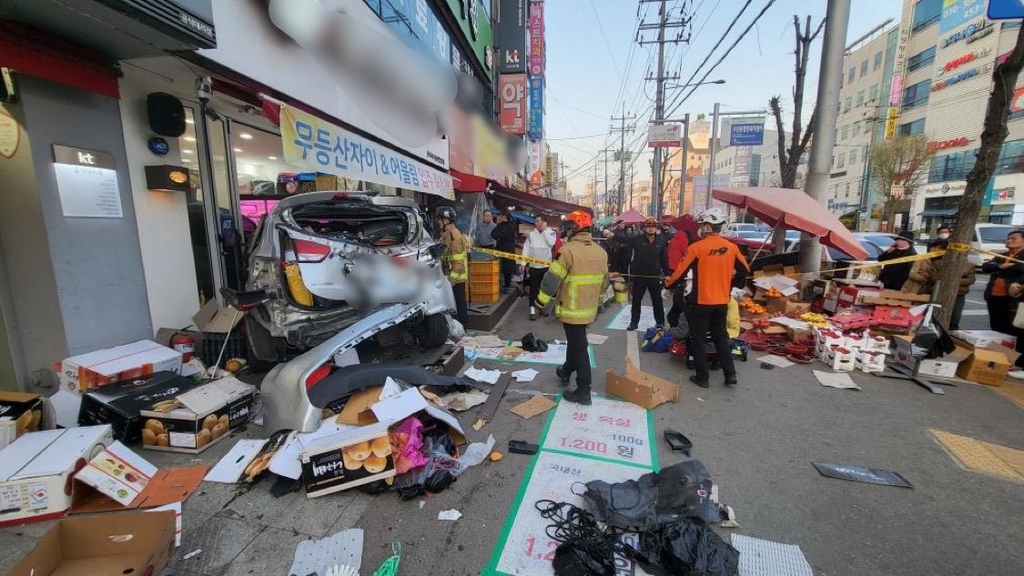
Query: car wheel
{"x":433,"y":331}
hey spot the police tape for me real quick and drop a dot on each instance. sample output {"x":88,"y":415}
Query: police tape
{"x":532,"y":260}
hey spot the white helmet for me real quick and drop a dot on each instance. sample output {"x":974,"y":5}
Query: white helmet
{"x":711,"y":216}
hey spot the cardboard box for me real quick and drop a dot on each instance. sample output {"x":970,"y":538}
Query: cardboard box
{"x":640,"y":388}
{"x":118,"y":478}
{"x":204,"y":415}
{"x":985,"y":338}
{"x":131,"y":543}
{"x":897,"y":298}
{"x":120,"y":404}
{"x":347,"y":460}
{"x":86,"y":371}
{"x":20,"y":412}
{"x":910,"y":357}
{"x":36,"y":470}
{"x":357,"y":411}
{"x":985,"y":366}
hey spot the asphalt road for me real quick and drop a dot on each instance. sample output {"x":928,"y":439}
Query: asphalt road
{"x":758,"y":441}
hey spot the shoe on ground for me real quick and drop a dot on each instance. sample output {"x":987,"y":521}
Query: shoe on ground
{"x":533,"y":313}
{"x":631,"y":327}
{"x":578,"y":396}
{"x":693,"y":379}
{"x":563,"y":377}
{"x":731,"y":381}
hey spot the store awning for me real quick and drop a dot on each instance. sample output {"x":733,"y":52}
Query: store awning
{"x":547,"y":205}
{"x":940,"y":212}
{"x":463,"y":182}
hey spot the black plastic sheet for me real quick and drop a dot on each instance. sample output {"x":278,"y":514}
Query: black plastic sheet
{"x":862,"y":474}
{"x":680,"y":491}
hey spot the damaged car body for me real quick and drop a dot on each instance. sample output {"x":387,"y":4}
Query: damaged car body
{"x":324,"y":261}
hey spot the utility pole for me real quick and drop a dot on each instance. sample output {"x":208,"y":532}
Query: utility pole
{"x":632,"y":171}
{"x":659,"y":104}
{"x":606,"y":196}
{"x":621,"y":154}
{"x":684,"y":163}
{"x":837,"y":17}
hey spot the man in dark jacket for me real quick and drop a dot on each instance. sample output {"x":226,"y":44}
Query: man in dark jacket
{"x":504,"y":235}
{"x":649,"y":264}
{"x":893,"y":276}
{"x":1002,"y":306}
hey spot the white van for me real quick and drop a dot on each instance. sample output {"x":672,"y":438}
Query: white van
{"x":988,"y":237}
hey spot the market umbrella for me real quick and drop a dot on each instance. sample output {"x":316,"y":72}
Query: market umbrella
{"x":631,"y":216}
{"x":793,"y":210}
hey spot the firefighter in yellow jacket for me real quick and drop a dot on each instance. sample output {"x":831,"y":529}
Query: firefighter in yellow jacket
{"x":456,"y":259}
{"x":575,"y":283}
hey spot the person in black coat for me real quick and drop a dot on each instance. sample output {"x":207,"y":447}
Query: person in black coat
{"x":1002,"y":306}
{"x":648,"y":265}
{"x":893,"y":276}
{"x":504,"y":235}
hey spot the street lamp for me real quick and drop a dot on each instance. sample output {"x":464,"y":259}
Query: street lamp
{"x":696,"y":84}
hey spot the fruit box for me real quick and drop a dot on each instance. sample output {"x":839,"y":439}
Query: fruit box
{"x":121,"y":404}
{"x":85,"y":371}
{"x":21,"y":412}
{"x":346,"y":460}
{"x":201,"y":417}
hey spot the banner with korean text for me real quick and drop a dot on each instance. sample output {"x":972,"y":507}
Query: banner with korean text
{"x":315,"y":144}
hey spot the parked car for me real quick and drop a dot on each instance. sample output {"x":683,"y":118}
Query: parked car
{"x":988,"y":237}
{"x":886,"y":239}
{"x":358,"y":254}
{"x":733,"y":227}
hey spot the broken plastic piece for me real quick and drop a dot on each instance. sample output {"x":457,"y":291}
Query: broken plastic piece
{"x":677,"y":441}
{"x":450,"y":515}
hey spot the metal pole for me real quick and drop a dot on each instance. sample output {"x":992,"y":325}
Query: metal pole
{"x":713,"y":145}
{"x":683,"y":164}
{"x":659,"y":113}
{"x":622,"y":158}
{"x":837,"y":17}
{"x":607,"y":207}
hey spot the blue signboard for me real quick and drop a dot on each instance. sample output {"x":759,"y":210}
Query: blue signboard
{"x":746,"y":135}
{"x":956,"y":13}
{"x":1005,"y":9}
{"x":535,"y":128}
{"x":415,"y":23}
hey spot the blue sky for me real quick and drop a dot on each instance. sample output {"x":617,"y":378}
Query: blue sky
{"x":588,"y":53}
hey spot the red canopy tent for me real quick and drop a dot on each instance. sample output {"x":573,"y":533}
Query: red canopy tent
{"x":630,"y":216}
{"x":793,"y":210}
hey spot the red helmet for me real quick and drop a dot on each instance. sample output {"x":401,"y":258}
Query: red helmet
{"x":580,"y":219}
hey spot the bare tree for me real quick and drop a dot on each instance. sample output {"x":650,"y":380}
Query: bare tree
{"x":790,"y":158}
{"x":897,"y":167}
{"x":951,"y":268}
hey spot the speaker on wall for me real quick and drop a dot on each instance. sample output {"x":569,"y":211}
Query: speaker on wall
{"x":166,"y":114}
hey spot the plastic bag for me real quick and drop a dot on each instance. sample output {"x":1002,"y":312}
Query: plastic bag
{"x":685,"y":548}
{"x":732,"y":319}
{"x":682,"y":490}
{"x":407,"y":445}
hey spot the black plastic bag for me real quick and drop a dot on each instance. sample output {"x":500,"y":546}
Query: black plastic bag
{"x":572,"y":560}
{"x":680,"y":491}
{"x":685,"y":548}
{"x":374,"y":488}
{"x":530,"y":343}
{"x":438,"y":481}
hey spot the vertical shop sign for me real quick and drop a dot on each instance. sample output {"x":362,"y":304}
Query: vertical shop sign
{"x":536,"y":38}
{"x":512,"y":90}
{"x":536,"y":130}
{"x":511,"y":33}
{"x":536,"y":146}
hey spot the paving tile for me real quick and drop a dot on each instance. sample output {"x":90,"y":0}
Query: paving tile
{"x":220,"y":539}
{"x":271,"y":552}
{"x":981,"y":456}
{"x":292,"y":511}
{"x":13,"y":548}
{"x":356,"y":505}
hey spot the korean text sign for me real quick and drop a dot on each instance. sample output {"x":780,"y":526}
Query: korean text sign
{"x":536,"y":38}
{"x":536,"y":130}
{"x":512,"y":91}
{"x":746,"y":135}
{"x":312,"y":143}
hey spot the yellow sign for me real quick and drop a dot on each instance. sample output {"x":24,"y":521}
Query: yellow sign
{"x":547,"y":170}
{"x":890,"y":123}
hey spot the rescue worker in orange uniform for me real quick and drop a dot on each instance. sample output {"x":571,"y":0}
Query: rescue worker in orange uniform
{"x":455,"y":262}
{"x":717,"y":266}
{"x":574,"y":283}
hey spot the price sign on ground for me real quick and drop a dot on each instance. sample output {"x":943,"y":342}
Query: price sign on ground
{"x":608,"y":429}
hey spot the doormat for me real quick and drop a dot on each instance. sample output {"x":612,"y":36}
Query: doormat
{"x":984,"y":457}
{"x":554,"y":356}
{"x":862,"y":474}
{"x":1012,"y":391}
{"x":766,"y":558}
{"x":621,"y":320}
{"x":554,"y":473}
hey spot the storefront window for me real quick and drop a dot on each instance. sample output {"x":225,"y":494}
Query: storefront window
{"x":190,"y":157}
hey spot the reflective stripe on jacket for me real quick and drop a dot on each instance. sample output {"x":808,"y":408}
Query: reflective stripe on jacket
{"x":578,"y":277}
{"x":456,"y":252}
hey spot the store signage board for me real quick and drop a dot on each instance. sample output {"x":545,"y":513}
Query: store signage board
{"x":314,"y":144}
{"x":536,"y":38}
{"x":890,"y":122}
{"x":664,"y":136}
{"x":536,"y":126}
{"x":1005,"y":9}
{"x":511,"y":35}
{"x":746,"y":134}
{"x":476,"y":27}
{"x":536,"y":152}
{"x":86,"y":183}
{"x":956,"y":13}
{"x":512,"y":91}
{"x":972,"y":33}
{"x":249,"y":43}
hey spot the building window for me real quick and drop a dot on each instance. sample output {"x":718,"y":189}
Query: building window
{"x":853,"y":156}
{"x":926,"y":13}
{"x":955,"y":166}
{"x":842,"y":159}
{"x":860,"y":98}
{"x":878,"y":61}
{"x":916,"y":95}
{"x":921,"y":59}
{"x":856,"y":128}
{"x":848,"y":104}
{"x":853,"y":74}
{"x":846,"y":132}
{"x":911,"y":128}
{"x":863,"y":68}
{"x":873,"y":94}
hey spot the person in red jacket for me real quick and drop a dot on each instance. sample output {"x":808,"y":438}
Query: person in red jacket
{"x":676,"y":250}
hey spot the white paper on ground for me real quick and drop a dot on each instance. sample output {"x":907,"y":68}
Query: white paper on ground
{"x":451,"y":515}
{"x":409,"y":402}
{"x":229,"y":469}
{"x":777,"y":361}
{"x":596,"y":339}
{"x":840,"y":380}
{"x":481,"y":375}
{"x":391,"y":388}
{"x":318,"y":556}
{"x":525,"y":375}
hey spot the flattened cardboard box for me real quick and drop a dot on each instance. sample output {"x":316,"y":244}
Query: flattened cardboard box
{"x":640,"y":388}
{"x":36,"y":471}
{"x":347,"y":460}
{"x":20,"y":412}
{"x":205,"y":416}
{"x":130,"y":543}
{"x":121,"y":404}
{"x":118,"y":478}
{"x":94,"y":369}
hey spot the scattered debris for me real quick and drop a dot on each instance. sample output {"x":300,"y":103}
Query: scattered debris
{"x":641,"y":388}
{"x":862,"y":474}
{"x":759,"y":557}
{"x":776,"y":361}
{"x":521,"y":447}
{"x":483,"y":375}
{"x":679,"y":491}
{"x":533,"y":407}
{"x":677,"y":441}
{"x":341,"y":571}
{"x":596,"y":339}
{"x":495,"y":456}
{"x":491,"y":406}
{"x":390,"y":566}
{"x":422,"y":504}
{"x":841,"y":381}
{"x":344,"y":549}
{"x":192,"y":554}
{"x":729,"y":520}
{"x":450,"y":515}
{"x":526,"y":375}
{"x":476,"y":453}
{"x":456,"y":401}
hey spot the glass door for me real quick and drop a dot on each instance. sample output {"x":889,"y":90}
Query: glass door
{"x":191,"y":154}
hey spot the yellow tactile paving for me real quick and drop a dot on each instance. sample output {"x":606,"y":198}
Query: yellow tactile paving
{"x":1012,"y":391}
{"x":981,"y":456}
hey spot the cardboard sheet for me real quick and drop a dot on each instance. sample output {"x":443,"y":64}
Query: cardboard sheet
{"x":533,"y":407}
{"x":839,"y":380}
{"x":230,"y":467}
{"x":641,"y":388}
